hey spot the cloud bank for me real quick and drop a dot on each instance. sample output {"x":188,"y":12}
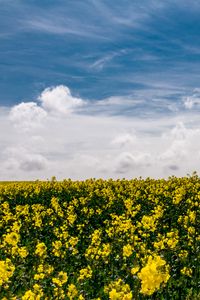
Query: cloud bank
{"x":59,"y":134}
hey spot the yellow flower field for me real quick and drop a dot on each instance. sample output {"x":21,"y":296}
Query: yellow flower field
{"x":100,"y":239}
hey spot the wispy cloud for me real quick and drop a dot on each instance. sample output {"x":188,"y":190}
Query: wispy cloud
{"x":58,"y":25}
{"x":131,"y":15}
{"x":100,"y":63}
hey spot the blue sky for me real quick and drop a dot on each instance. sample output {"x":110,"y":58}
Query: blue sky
{"x":133,"y":65}
{"x":98,"y":48}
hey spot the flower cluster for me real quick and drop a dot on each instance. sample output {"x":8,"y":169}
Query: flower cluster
{"x":153,"y":275}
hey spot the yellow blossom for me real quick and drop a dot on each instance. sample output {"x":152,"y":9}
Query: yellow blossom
{"x":39,"y":276}
{"x":6,"y":270}
{"x":153,"y":275}
{"x":12,"y":238}
{"x":187,"y":271}
{"x":30,"y":295}
{"x":114,"y":295}
{"x":85,"y":273}
{"x":72,"y":291}
{"x":23,"y":252}
{"x":41,"y":249}
{"x":134,"y":270}
{"x":127,"y":250}
{"x":60,"y":279}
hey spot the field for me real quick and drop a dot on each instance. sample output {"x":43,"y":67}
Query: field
{"x":100,"y":239}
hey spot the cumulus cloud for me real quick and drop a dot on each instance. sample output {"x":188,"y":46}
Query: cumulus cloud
{"x":54,"y":101}
{"x":27,"y":115}
{"x":59,"y":100}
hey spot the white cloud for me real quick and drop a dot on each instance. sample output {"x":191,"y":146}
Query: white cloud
{"x":118,"y":101}
{"x":34,"y":162}
{"x":81,"y":145}
{"x":20,"y":158}
{"x":53,"y":26}
{"x":178,"y":132}
{"x":182,"y":148}
{"x":59,"y":100}
{"x":100,"y":63}
{"x":124,"y":140}
{"x":176,"y":152}
{"x":128,"y":162}
{"x":27,"y":115}
{"x":193,"y":100}
{"x":116,"y":105}
{"x":59,"y":23}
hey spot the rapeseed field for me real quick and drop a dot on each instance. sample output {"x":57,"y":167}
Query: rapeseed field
{"x":100,"y":239}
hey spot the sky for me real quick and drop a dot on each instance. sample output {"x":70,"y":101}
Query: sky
{"x":99,"y":89}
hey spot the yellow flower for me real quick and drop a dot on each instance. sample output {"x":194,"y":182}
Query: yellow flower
{"x":187,"y":271}
{"x":14,"y":251}
{"x":73,"y":241}
{"x":114,"y":295}
{"x":118,"y":290}
{"x":63,"y":277}
{"x":40,"y":269}
{"x":16,"y":227}
{"x":39,"y":276}
{"x":12,"y":238}
{"x":37,"y":287}
{"x":38,"y":290}
{"x":85,"y":273}
{"x":23,"y":252}
{"x":29,"y":295}
{"x":149,"y":223}
{"x":183,"y":254}
{"x":191,"y":230}
{"x":6,"y":270}
{"x":49,"y":269}
{"x":60,"y":279}
{"x":72,"y":291}
{"x":96,"y":237}
{"x":134,"y":270}
{"x":57,"y":248}
{"x":81,"y":297}
{"x":127,"y":250}
{"x":128,"y":296}
{"x":153,"y":275}
{"x":105,"y":252}
{"x":192,"y":216}
{"x":41,"y":249}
